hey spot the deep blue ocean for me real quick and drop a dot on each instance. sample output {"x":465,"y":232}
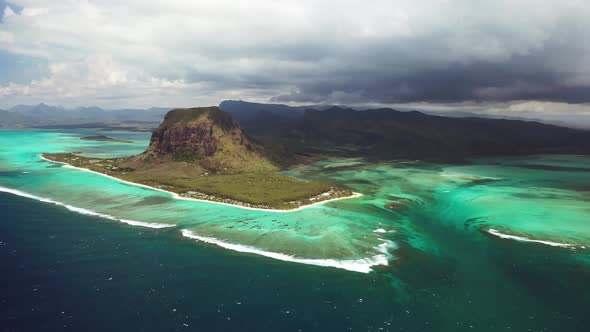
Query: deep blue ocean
{"x":65,"y":271}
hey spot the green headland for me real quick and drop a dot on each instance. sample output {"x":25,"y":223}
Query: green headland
{"x":102,"y":138}
{"x":202,"y":153}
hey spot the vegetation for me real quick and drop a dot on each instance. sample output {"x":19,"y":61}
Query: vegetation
{"x":389,"y":134}
{"x":185,"y":156}
{"x":210,"y":138}
{"x":203,"y":153}
{"x":254,"y":189}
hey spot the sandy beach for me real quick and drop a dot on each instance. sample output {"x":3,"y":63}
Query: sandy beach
{"x":177,"y":196}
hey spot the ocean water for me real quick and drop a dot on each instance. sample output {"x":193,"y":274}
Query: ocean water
{"x":495,"y":244}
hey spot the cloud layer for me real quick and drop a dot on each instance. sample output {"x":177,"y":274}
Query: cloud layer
{"x":177,"y":53}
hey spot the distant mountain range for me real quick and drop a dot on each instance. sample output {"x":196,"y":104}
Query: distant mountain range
{"x":46,"y":116}
{"x":247,"y":111}
{"x":339,"y":131}
{"x":244,"y":111}
{"x":387,"y":133}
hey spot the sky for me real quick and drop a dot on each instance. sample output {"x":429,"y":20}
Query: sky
{"x":517,"y":58}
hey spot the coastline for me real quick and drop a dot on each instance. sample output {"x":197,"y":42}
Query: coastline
{"x":178,"y":196}
{"x":105,"y":139}
{"x":361,"y":265}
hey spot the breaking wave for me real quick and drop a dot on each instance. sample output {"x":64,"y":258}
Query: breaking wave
{"x":525,"y":239}
{"x":84,"y":211}
{"x":362,"y":265}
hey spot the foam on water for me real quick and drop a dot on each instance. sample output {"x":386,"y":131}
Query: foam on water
{"x":382,"y":231}
{"x":524,"y":239}
{"x":363,"y":265}
{"x":83,"y":210}
{"x":341,"y":234}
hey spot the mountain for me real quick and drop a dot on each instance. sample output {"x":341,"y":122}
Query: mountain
{"x":203,"y":153}
{"x":292,"y":135}
{"x":42,"y":108}
{"x":245,"y":112}
{"x":7,"y":119}
{"x":209,"y":137}
{"x":46,"y":116}
{"x":268,"y":122}
{"x":387,"y":133}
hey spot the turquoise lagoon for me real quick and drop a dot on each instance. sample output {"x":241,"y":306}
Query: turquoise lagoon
{"x":535,"y":199}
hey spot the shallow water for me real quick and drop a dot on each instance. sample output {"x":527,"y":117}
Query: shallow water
{"x":445,"y":242}
{"x":342,"y":235}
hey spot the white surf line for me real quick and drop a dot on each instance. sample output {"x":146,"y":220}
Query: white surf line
{"x":177,"y":196}
{"x":524,"y":239}
{"x":362,"y":265}
{"x":85,"y":211}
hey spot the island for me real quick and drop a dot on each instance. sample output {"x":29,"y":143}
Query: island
{"x":102,"y":138}
{"x":203,"y":154}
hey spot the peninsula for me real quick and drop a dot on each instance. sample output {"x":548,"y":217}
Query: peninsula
{"x":202,"y":153}
{"x":102,"y":138}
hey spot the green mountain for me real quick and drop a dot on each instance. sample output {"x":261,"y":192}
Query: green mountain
{"x":388,"y":133}
{"x":245,"y":112}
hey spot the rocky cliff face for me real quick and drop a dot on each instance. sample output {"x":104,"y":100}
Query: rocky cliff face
{"x":208,"y":136}
{"x":196,"y":140}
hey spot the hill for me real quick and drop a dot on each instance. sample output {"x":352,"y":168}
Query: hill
{"x":208,"y":137}
{"x":246,"y":111}
{"x":389,"y":134}
{"x":57,"y":117}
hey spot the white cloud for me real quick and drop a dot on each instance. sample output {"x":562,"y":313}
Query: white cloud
{"x":104,"y":82}
{"x":6,"y":38}
{"x":540,"y":108}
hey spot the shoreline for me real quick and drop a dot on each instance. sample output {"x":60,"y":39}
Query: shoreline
{"x":361,"y":265}
{"x":178,"y":196}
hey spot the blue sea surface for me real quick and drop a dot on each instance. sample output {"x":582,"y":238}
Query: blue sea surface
{"x":499,"y":244}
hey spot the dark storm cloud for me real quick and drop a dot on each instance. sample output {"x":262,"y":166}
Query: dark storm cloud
{"x":548,"y":74}
{"x":328,"y":51}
